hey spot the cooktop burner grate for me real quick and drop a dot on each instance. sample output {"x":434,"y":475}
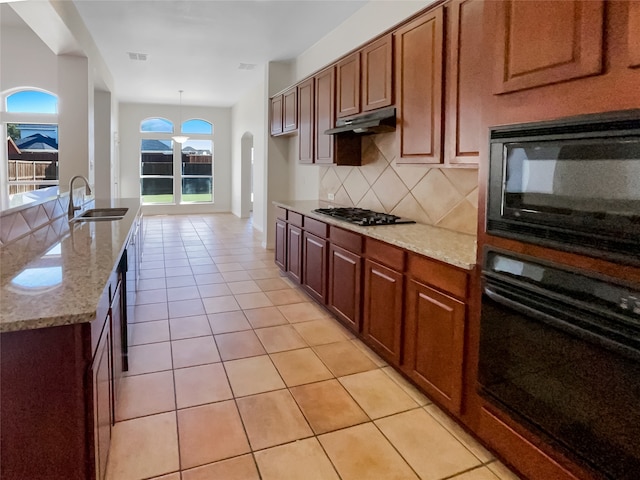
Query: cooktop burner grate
{"x":361,"y":216}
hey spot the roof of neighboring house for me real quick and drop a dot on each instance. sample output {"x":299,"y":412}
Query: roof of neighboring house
{"x":12,"y":147}
{"x":37,"y":142}
{"x":156,"y":146}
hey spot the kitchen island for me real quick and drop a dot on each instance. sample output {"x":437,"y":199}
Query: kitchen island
{"x":63,"y":341}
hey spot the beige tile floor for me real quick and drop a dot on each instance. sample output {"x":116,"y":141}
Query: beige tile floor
{"x":235,"y":374}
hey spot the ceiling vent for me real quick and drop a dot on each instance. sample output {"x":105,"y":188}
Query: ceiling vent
{"x":246,"y":66}
{"x":137,"y":56}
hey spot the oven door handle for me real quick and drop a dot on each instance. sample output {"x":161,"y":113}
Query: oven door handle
{"x":556,"y":322}
{"x":528,"y":310}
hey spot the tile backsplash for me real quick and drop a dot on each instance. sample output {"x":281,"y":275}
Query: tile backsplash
{"x":17,"y":224}
{"x":444,"y":197}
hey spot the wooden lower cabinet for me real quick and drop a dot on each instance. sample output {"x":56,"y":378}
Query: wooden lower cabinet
{"x":281,"y":244}
{"x":294,"y":253}
{"x":102,"y":402}
{"x":314,"y":266}
{"x":383,"y":302}
{"x":345,"y":276}
{"x":434,"y":343}
{"x":117,"y":340}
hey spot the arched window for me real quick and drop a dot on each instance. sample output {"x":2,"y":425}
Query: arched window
{"x":157,"y":125}
{"x":32,"y":101}
{"x":197,"y":126}
{"x":181,"y":176}
{"x":32,"y":146}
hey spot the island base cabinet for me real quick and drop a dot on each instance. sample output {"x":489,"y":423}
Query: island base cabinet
{"x":434,"y":343}
{"x":345,"y":274}
{"x":44,"y":431}
{"x":102,"y":403}
{"x":382,"y":324}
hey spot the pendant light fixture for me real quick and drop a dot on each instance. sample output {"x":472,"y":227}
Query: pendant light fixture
{"x":180,"y":138}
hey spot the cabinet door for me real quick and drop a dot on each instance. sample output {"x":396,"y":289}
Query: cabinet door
{"x":633,"y":34}
{"x":382,"y":324}
{"x":314,"y":266}
{"x":434,"y":343}
{"x":281,"y":244}
{"x":290,"y":110}
{"x":276,"y":115}
{"x":543,"y":42}
{"x":377,"y":74}
{"x":463,"y":132}
{"x":348,"y":90}
{"x":102,"y":405}
{"x":325,"y":115}
{"x":345,"y":276}
{"x":294,"y":252}
{"x":419,"y":57}
{"x":305,"y":121}
{"x":118,"y":340}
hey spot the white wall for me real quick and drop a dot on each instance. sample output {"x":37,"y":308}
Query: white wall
{"x":102,"y":136}
{"x":131,"y":115}
{"x":248,"y":115}
{"x":23,"y":59}
{"x":75,"y":119}
{"x":371,"y":20}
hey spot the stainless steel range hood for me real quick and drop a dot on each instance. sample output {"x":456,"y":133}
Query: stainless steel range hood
{"x":379,"y":121}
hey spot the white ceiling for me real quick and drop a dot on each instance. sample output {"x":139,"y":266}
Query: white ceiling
{"x":197,"y":46}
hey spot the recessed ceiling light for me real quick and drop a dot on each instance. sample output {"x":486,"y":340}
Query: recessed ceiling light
{"x":246,"y":66}
{"x":137,"y":56}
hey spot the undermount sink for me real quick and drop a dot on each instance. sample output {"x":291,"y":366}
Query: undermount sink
{"x":95,"y":214}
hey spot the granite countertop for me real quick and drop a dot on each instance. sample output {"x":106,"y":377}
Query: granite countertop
{"x":454,"y":248}
{"x":57,"y":274}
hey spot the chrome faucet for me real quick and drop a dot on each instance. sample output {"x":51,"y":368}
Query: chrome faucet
{"x":87,"y":190}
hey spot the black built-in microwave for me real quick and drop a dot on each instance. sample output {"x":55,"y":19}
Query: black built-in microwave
{"x":571,"y":184}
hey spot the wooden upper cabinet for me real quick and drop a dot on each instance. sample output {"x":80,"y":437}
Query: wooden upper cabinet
{"x":377,"y":74}
{"x":463,"y":131}
{"x":325,"y":115}
{"x":544,"y":42}
{"x":418,"y":66}
{"x":290,"y":110}
{"x":348,"y":86}
{"x":276,"y":115}
{"x":633,"y":34}
{"x":306,"y":121}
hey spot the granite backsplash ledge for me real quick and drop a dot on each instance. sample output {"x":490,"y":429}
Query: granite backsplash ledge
{"x":442,"y":197}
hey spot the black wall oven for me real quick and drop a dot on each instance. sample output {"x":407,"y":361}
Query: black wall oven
{"x":560,"y":353}
{"x":572,"y":184}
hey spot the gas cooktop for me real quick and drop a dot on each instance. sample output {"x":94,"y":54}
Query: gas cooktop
{"x":361,"y":216}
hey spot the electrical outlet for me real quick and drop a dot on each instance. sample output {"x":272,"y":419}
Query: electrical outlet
{"x":331,"y":196}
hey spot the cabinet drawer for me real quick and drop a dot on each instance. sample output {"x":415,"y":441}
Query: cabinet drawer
{"x":385,"y":254}
{"x":444,"y":277}
{"x":348,"y":240}
{"x":294,"y":218}
{"x":316,"y":227}
{"x":281,"y":213}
